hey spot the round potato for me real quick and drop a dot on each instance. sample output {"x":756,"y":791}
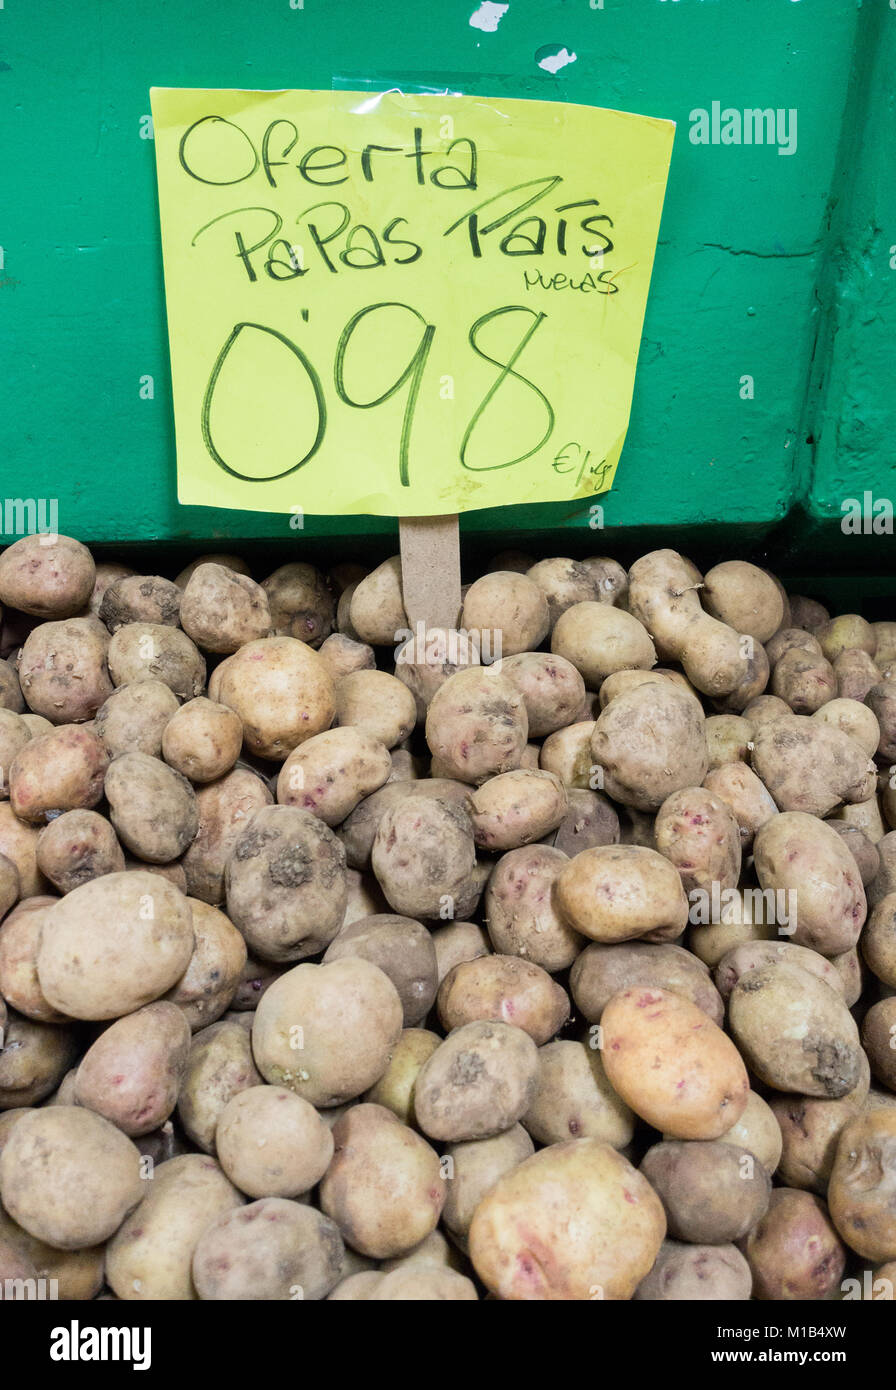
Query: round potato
{"x":672,"y":1065}
{"x":427,"y":1285}
{"x":810,"y":1130}
{"x":811,"y":766}
{"x":748,"y":800}
{"x":423,"y":856}
{"x":395,"y":1088}
{"x":509,"y":611}
{"x":793,"y":1251}
{"x":341,"y":655}
{"x":33,"y":1060}
{"x":376,"y":704}
{"x":521,"y":910}
{"x":727,"y":739}
{"x":847,"y":631}
{"x":269,"y":1250}
{"x":219,"y":1066}
{"x":758,"y":1131}
{"x":14,"y":734}
{"x":575,"y":1221}
{"x":480,"y":1082}
{"x":302,"y":603}
{"x":134,"y":717}
{"x":552,"y":689}
{"x":271,"y":1143}
{"x":804,"y":680}
{"x":503,"y":989}
{"x":63,"y":671}
{"x":221,"y":610}
{"x":202,"y":740}
{"x":152,"y":651}
{"x":574,"y":1099}
{"x":47,"y":575}
{"x":712,"y":1192}
{"x":96,"y":1177}
{"x":282,"y":692}
{"x":599,"y":639}
{"x":403,"y":950}
{"x":476,"y":726}
{"x":376,"y":605}
{"x":744,"y":597}
{"x":77,"y":847}
{"x":20,"y":937}
{"x":698,"y":833}
{"x":650,"y":742}
{"x":516,"y":808}
{"x":563,"y":583}
{"x":458,"y":941}
{"x":139,"y":598}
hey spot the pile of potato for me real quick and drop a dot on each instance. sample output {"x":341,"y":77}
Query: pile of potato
{"x":336,"y":969}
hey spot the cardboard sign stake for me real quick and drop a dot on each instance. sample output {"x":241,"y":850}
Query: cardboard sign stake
{"x":430,"y":570}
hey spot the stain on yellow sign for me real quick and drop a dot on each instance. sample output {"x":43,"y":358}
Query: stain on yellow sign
{"x":402,"y":304}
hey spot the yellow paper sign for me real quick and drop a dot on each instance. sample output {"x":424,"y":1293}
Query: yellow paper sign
{"x":402,"y":305}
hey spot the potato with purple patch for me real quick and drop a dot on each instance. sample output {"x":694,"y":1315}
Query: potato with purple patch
{"x":477,"y":726}
{"x":330,"y":773}
{"x":551,"y":687}
{"x":619,"y":892}
{"x":521,"y":910}
{"x":423,"y":856}
{"x":504,"y":989}
{"x":48,"y":576}
{"x":77,"y":847}
{"x":302,"y":603}
{"x":270,"y":1250}
{"x":133,"y":1073}
{"x":61,"y":771}
{"x":515,"y":808}
{"x":574,"y":1100}
{"x":63,"y":670}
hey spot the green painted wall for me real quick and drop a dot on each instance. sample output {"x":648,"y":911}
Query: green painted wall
{"x":746,"y":282}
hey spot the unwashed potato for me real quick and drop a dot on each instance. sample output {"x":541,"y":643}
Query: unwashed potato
{"x":503,"y":989}
{"x":150,"y":1256}
{"x":20,"y":936}
{"x":34,"y":1059}
{"x":744,"y":597}
{"x":856,"y":674}
{"x":599,"y":639}
{"x":521,"y":910}
{"x":810,"y":1129}
{"x":515,"y":808}
{"x":480,"y":1082}
{"x":77,"y":847}
{"x":811,"y":766}
{"x":509,"y":611}
{"x":134,"y":718}
{"x":133,"y":1073}
{"x":152,"y":807}
{"x":564,"y":582}
{"x":458,"y":941}
{"x":202,"y":740}
{"x":271,"y":1143}
{"x":713,"y":1193}
{"x":327,"y":1031}
{"x":56,"y":772}
{"x":231,"y":562}
{"x":330,"y":773}
{"x":302,"y":603}
{"x":567,"y":753}
{"x":11,"y":697}
{"x":282,"y":692}
{"x":225,"y":807}
{"x":48,"y":576}
{"x":18,"y":844}
{"x":113,"y":945}
{"x":286,"y":884}
{"x":552,"y":689}
{"x":794,"y":1252}
{"x":477,"y":726}
{"x":590,"y":820}
{"x":384,"y":1187}
{"x":95,"y":1170}
{"x":698,"y":833}
{"x":574,"y":1099}
{"x":210,"y":980}
{"x":270,"y":1250}
{"x":863,"y":1184}
{"x":72,"y":1275}
{"x":573,"y":1222}
{"x":878,"y":1037}
{"x":805,"y":680}
{"x":849,"y":630}
{"x":795,"y":1031}
{"x":139,"y":598}
{"x":376,"y":605}
{"x":376,"y":704}
{"x":403,"y":950}
{"x":603,"y":970}
{"x":423,"y":856}
{"x":672,"y":1065}
{"x":650,"y":742}
{"x":152,"y":651}
{"x":341,"y":655}
{"x":727,"y":739}
{"x":687,"y":1273}
{"x":758,"y":1131}
{"x":475,"y":1167}
{"x":9,"y":885}
{"x":741,"y":790}
{"x":219,"y":1066}
{"x":803,"y":861}
{"x":63,"y":672}
{"x":14,"y":734}
{"x":617,"y":892}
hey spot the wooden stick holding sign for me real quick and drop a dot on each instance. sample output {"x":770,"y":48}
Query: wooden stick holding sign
{"x":430,"y":570}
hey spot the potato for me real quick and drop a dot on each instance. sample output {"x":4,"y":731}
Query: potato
{"x":598,"y":639}
{"x":77,"y":847}
{"x":108,"y":572}
{"x":221,"y":610}
{"x":14,"y":734}
{"x":878,"y":1035}
{"x":224,"y":807}
{"x":427,"y":1285}
{"x":845,"y":632}
{"x":865,"y":815}
{"x":551,"y":687}
{"x":458,"y":941}
{"x":282,"y":692}
{"x":376,"y":704}
{"x":19,"y":942}
{"x":18,"y":844}
{"x":395,"y":1088}
{"x":425,"y":660}
{"x":811,"y":766}
{"x":423,"y":855}
{"x":756,"y":955}
{"x":798,"y":856}
{"x":878,"y":941}
{"x":480,"y":1082}
{"x":603,"y":970}
{"x":255,"y":977}
{"x":330,"y":773}
{"x":11,"y":696}
{"x":849,"y":968}
{"x":567,"y":753}
{"x":881,"y":700}
{"x":376,"y":605}
{"x":856,"y":673}
{"x":46,"y":575}
{"x":795,"y":1031}
{"x":727,"y":739}
{"x":788,"y":638}
{"x":477,"y":726}
{"x":219,"y":1066}
{"x":327,"y":1031}
{"x":503,"y":989}
{"x":610,"y":578}
{"x":341,"y":655}
{"x":286,"y":885}
{"x":766,"y":709}
{"x":384,"y":1187}
{"x":403,"y":950}
{"x":748,"y":800}
{"x":150,"y":1257}
{"x":574,"y":1099}
{"x":512,"y":607}
{"x":270,"y":1250}
{"x":70,"y":1274}
{"x":95,"y":1177}
{"x":113,"y":945}
{"x":61,"y":771}
{"x":230,"y":562}
{"x":302,"y":603}
{"x":794,"y":1252}
{"x":133,"y":1072}
{"x":139,"y":598}
{"x":758,"y":1131}
{"x":573,"y":1222}
{"x":671,"y":1064}
{"x":521,"y":911}
{"x":713,"y":1193}
{"x":210,"y":980}
{"x":744,"y":597}
{"x":202,"y":740}
{"x":564,"y":583}
{"x":9,"y":887}
{"x":515,"y":808}
{"x":152,"y":807}
{"x":883,"y":883}
{"x":698,"y":833}
{"x":33,"y":1060}
{"x":152,"y":651}
{"x":687,"y":1273}
{"x":271,"y":1143}
{"x":617,"y":892}
{"x":173,"y":872}
{"x":356,"y":1287}
{"x":807,"y":613}
{"x":63,"y":672}
{"x":810,"y":1129}
{"x":134,"y":717}
{"x":650,"y":743}
{"x":364,"y":897}
{"x":806,"y":681}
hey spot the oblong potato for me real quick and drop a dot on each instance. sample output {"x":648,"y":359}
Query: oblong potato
{"x":133,"y":1073}
{"x":617,"y":892}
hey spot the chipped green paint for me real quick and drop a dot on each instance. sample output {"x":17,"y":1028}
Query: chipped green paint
{"x":752,"y":244}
